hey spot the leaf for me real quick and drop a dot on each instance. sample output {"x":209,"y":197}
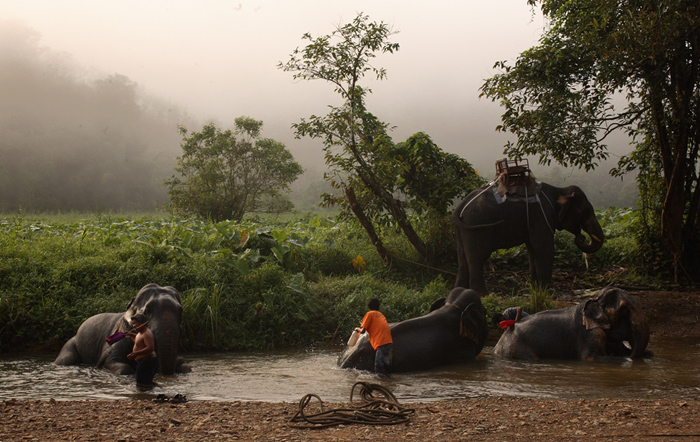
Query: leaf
{"x":242,"y":266}
{"x":279,"y":252}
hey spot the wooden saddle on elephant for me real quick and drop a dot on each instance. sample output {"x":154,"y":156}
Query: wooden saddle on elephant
{"x":514,"y":177}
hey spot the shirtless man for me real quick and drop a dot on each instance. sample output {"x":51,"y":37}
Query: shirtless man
{"x":143,"y":353}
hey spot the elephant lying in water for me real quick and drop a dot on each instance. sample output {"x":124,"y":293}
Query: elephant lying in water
{"x":454,"y":331}
{"x":161,"y":306}
{"x":598,"y":328}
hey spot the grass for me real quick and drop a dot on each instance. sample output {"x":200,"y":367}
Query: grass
{"x":259,"y":284}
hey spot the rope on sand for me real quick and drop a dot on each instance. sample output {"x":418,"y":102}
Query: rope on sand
{"x":370,"y":411}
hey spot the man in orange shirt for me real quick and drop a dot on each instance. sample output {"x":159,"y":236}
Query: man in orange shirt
{"x":376,"y":325}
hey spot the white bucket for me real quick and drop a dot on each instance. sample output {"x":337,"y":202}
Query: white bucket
{"x":353,"y":338}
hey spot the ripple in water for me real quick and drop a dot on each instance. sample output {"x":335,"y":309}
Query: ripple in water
{"x":288,"y":376}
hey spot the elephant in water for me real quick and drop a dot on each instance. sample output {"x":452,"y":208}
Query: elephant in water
{"x":609,"y":325}
{"x":454,"y":331}
{"x":486,"y":221}
{"x":161,"y":306}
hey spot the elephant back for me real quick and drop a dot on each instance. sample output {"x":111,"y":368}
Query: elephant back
{"x":91,"y":343}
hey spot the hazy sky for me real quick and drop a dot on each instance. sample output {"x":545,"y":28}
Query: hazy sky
{"x":217,"y":59}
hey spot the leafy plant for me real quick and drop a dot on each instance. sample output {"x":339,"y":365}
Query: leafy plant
{"x":220,"y":176}
{"x":376,"y":181}
{"x":608,"y":65}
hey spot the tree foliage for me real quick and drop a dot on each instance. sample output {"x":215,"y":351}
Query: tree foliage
{"x":377,"y":180}
{"x":226,"y":174}
{"x":603,"y":66}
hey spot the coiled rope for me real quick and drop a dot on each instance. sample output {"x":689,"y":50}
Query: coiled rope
{"x":370,"y":411}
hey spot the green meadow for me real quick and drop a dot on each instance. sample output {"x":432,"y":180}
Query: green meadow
{"x":255,"y":285}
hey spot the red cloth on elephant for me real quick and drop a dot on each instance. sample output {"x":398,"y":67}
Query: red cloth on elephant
{"x":508,"y":323}
{"x":378,"y":328}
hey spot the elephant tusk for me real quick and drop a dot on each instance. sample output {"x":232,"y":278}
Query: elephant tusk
{"x":595,"y":238}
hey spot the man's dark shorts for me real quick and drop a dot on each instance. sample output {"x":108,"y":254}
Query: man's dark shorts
{"x":145,"y":372}
{"x":383,"y":359}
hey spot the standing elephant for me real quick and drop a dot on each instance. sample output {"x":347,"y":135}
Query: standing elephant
{"x":608,"y":325}
{"x":486,"y":221}
{"x":161,"y":306}
{"x":454,"y":331}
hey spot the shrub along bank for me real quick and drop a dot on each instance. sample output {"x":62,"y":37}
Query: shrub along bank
{"x":244,"y":286}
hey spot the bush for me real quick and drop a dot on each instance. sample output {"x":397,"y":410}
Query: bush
{"x":245,"y":286}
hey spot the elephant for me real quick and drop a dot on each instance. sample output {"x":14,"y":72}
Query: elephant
{"x":486,"y":221}
{"x":453,"y":331}
{"x":610,"y":325}
{"x":161,"y":306}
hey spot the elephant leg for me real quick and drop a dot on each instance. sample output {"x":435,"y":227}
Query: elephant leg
{"x":477,"y":260}
{"x":541,"y":263}
{"x":117,"y":367}
{"x":181,"y":367}
{"x":476,"y":280}
{"x":533,"y":266}
{"x":113,"y":358}
{"x":69,"y":354}
{"x":462,"y":264}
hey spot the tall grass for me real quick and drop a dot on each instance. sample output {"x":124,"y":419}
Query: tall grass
{"x":244,"y":285}
{"x":251,"y":285}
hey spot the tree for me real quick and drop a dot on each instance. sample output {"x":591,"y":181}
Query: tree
{"x":562,"y":99}
{"x":225,"y":177}
{"x":364,"y":162}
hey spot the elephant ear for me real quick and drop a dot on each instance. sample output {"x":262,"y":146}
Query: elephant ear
{"x":613,"y":301}
{"x":564,"y":202}
{"x":594,"y":316}
{"x":127,"y":314}
{"x":469,"y":322}
{"x":437,"y":304}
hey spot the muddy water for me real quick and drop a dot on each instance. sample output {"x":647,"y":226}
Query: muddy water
{"x":288,"y":376}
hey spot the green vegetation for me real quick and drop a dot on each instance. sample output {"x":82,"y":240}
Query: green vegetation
{"x":375,"y":180}
{"x":603,"y":66}
{"x":224,"y":175}
{"x":247,"y":285}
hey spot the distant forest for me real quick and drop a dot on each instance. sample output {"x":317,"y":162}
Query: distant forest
{"x":74,"y":141}
{"x":69,"y":142}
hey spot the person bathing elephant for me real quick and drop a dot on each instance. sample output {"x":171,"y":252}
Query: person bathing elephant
{"x":609,"y":325}
{"x":499,"y":217}
{"x":162,"y":309}
{"x":453,"y":331}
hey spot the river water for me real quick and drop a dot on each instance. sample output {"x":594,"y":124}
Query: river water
{"x":288,"y":376}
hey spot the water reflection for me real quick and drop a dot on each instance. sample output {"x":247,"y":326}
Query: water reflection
{"x":287,"y":376}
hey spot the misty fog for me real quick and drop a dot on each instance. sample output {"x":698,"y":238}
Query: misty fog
{"x":69,"y":142}
{"x":73,"y":140}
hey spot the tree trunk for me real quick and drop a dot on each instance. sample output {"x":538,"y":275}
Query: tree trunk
{"x":672,"y":143}
{"x":365,"y":223}
{"x":672,"y":224}
{"x":397,"y":212}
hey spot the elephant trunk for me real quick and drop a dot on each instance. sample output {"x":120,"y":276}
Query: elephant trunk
{"x":640,"y":334}
{"x":167,"y":340}
{"x":593,"y":229}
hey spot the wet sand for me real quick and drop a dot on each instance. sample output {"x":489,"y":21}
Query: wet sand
{"x":488,"y":419}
